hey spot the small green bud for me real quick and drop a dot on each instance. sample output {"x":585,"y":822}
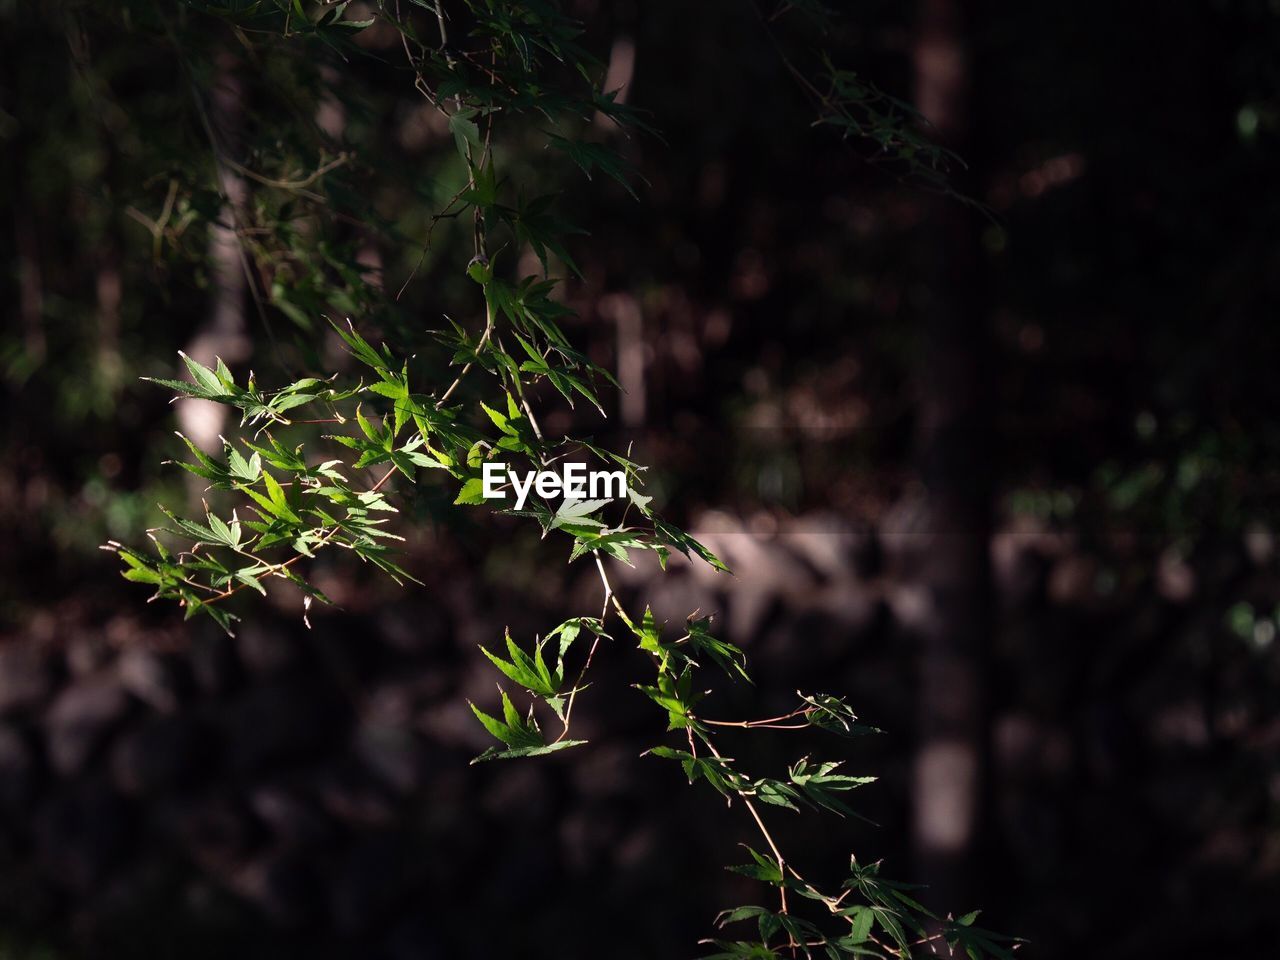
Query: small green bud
{"x":479,"y":270}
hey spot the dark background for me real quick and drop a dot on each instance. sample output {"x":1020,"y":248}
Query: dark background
{"x":1002,"y":473}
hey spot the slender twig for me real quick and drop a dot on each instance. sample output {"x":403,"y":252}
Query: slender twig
{"x":273,"y":570}
{"x":484,"y":339}
{"x":524,"y":403}
{"x":604,"y":612}
{"x":444,"y":214}
{"x":444,"y":34}
{"x":608,"y":588}
{"x":775,"y":723}
{"x":577,"y":685}
{"x":276,"y":568}
{"x":385,"y":477}
{"x":768,"y":837}
{"x":297,"y":186}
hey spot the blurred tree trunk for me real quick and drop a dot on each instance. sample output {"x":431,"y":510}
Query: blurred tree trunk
{"x":224,"y":333}
{"x":953,"y":452}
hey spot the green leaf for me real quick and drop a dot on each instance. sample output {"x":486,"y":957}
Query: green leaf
{"x":674,"y":694}
{"x":279,"y":500}
{"x":575,"y":517}
{"x":246,"y":471}
{"x":246,"y":576}
{"x":614,"y":544}
{"x":140,"y":570}
{"x":832,"y":714}
{"x":717,"y":771}
{"x":675,"y":537}
{"x":205,"y":466}
{"x":765,"y":868}
{"x":207,"y":380}
{"x":515,"y":752}
{"x":362,"y":350}
{"x":226,"y":535}
{"x":506,"y":732}
{"x":466,"y":134}
{"x":775,"y":793}
{"x":499,"y":420}
{"x":472,"y":492}
{"x":484,"y":185}
{"x":521,"y":736}
{"x":530,"y":671}
{"x":860,"y":921}
{"x":727,"y":656}
{"x":592,"y":156}
{"x":820,"y":783}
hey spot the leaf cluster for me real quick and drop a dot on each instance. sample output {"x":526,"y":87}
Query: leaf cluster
{"x":313,"y":464}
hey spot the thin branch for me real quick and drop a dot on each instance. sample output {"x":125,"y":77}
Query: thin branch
{"x":297,"y":186}
{"x":577,"y":685}
{"x":484,"y":339}
{"x":773,"y":723}
{"x":604,"y":612}
{"x":768,"y":837}
{"x":608,"y":588}
{"x":276,"y":568}
{"x":524,"y":403}
{"x":444,"y":214}
{"x":273,"y":570}
{"x":385,"y":477}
